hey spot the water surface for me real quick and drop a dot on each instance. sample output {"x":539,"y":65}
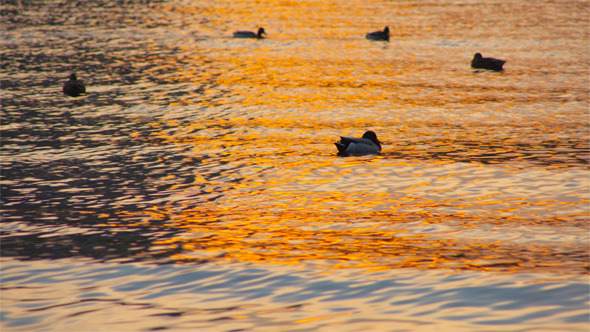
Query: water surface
{"x":196,"y":184}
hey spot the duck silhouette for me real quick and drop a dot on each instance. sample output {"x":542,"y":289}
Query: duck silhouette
{"x":351,"y":146}
{"x":74,"y":87}
{"x":250,"y":34}
{"x":379,"y":35}
{"x":479,"y":62}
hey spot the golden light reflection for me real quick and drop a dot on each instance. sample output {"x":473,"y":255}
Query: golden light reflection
{"x":471,"y":162}
{"x":290,"y":206}
{"x":359,"y":240}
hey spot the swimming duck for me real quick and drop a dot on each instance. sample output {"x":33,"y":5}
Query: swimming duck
{"x":74,"y":87}
{"x":250,"y":34}
{"x":351,"y":146}
{"x":379,"y":35}
{"x":486,"y":63}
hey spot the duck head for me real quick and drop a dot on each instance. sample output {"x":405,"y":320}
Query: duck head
{"x":370,"y":135}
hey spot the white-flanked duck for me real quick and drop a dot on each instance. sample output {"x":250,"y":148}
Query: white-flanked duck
{"x":379,"y":35}
{"x":351,"y":146}
{"x":74,"y":87}
{"x":479,"y":62}
{"x":250,"y":34}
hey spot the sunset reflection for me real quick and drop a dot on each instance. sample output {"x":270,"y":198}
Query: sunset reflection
{"x":372,"y":240}
{"x":412,"y":206}
{"x":196,"y":184}
{"x":450,"y":189}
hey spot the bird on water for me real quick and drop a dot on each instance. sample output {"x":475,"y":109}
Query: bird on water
{"x":379,"y":35}
{"x":352,"y":146}
{"x":479,"y":62}
{"x":250,"y":34}
{"x":74,"y":87}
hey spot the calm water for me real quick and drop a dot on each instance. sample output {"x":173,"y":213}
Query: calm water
{"x":196,"y":185}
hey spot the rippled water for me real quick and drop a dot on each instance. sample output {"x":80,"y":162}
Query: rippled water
{"x":196,"y":184}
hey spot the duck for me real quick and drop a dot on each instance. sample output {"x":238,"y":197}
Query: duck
{"x":479,"y":62}
{"x":379,"y":35}
{"x":74,"y":87}
{"x":250,"y":34}
{"x":351,"y":146}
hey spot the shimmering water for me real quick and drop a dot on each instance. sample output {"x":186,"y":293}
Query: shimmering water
{"x":196,"y":185}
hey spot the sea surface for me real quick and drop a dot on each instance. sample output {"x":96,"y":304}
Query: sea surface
{"x":196,"y":187}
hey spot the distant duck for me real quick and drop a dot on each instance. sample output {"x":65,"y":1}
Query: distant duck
{"x":74,"y":87}
{"x":250,"y":34}
{"x":379,"y":35}
{"x":350,"y":146}
{"x":479,"y":62}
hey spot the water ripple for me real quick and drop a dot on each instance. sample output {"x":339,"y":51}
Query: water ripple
{"x":196,"y":186}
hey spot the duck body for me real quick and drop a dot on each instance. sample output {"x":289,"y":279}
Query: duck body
{"x":250,"y":34}
{"x":479,"y":62}
{"x":352,"y":146}
{"x":74,"y":87}
{"x":379,"y":35}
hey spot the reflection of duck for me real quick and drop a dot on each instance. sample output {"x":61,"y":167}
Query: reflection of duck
{"x":486,"y":63}
{"x":379,"y":35}
{"x":350,"y":146}
{"x":74,"y":87}
{"x":250,"y":34}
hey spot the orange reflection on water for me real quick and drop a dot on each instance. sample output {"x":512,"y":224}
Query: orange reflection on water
{"x":484,"y":171}
{"x":370,"y":240}
{"x":416,"y":205}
